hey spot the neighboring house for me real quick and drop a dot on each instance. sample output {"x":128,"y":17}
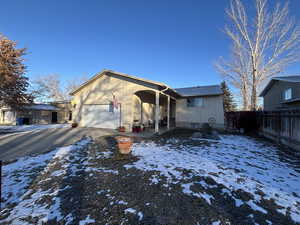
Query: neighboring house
{"x":112,"y":99}
{"x":282,"y":93}
{"x":56,"y":112}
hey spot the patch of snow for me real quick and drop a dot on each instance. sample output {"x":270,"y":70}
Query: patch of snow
{"x":58,"y":173}
{"x":130,"y":210}
{"x":238,"y":162}
{"x":87,"y":220}
{"x":121,"y":202}
{"x":140,"y":215}
{"x":18,"y":176}
{"x":216,"y":223}
{"x":103,"y":170}
{"x":238,"y":202}
{"x":187,"y":190}
{"x":133,"y":211}
{"x":256,"y":207}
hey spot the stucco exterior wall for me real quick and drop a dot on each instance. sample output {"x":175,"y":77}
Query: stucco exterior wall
{"x":144,"y":111}
{"x":35,"y":116}
{"x":7,"y":117}
{"x":195,"y":116}
{"x":101,"y":91}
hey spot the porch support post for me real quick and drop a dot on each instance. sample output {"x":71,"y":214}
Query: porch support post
{"x":168,"y":113}
{"x":142,"y":113}
{"x":156,"y":111}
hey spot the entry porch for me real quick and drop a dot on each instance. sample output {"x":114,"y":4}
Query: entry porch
{"x":153,"y":111}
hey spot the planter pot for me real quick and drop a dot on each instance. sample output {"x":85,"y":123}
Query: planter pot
{"x":74,"y":125}
{"x":124,"y":144}
{"x":121,"y":129}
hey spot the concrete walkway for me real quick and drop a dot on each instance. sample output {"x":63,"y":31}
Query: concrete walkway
{"x":15,"y":145}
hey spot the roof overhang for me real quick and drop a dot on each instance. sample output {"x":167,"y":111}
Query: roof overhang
{"x":267,"y":88}
{"x":293,"y":100}
{"x":206,"y":95}
{"x":158,"y":85}
{"x":275,"y":79}
{"x":161,"y":86}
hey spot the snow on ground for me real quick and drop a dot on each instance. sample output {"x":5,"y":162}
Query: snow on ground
{"x":20,"y":200}
{"x":237,"y":162}
{"x":35,"y":188}
{"x":33,"y":127}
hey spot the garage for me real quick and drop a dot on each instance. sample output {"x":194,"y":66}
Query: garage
{"x":100,"y":116}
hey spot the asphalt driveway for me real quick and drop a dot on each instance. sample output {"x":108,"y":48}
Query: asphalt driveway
{"x":15,"y":145}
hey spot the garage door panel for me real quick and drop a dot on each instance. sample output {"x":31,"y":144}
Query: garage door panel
{"x":100,"y":116}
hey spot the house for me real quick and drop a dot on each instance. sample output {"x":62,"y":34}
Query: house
{"x":55,"y":112}
{"x":282,"y":93}
{"x":111,"y":99}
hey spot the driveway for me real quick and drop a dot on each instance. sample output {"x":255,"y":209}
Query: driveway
{"x":15,"y":145}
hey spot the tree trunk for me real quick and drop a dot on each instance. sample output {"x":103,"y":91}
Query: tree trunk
{"x":253,"y":92}
{"x":254,"y":99}
{"x":245,"y":96}
{"x":245,"y":99}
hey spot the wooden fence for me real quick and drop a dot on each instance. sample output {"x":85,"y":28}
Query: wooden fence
{"x":245,"y":121}
{"x":282,"y":126}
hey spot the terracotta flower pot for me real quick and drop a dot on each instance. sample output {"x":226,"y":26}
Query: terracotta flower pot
{"x":124,"y":144}
{"x":74,"y":125}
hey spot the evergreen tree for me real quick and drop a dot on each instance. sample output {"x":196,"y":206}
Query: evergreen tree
{"x":229,"y":104}
{"x":13,"y":82}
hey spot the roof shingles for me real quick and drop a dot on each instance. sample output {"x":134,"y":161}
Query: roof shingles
{"x":200,"y":91}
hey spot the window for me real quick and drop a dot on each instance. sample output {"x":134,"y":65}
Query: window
{"x":70,"y":115}
{"x":287,"y":95}
{"x":194,"y":102}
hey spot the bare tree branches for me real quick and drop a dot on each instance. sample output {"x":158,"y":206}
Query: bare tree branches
{"x":261,"y":48}
{"x":50,"y":88}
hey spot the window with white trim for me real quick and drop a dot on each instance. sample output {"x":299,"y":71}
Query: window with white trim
{"x":287,"y":94}
{"x":194,"y":102}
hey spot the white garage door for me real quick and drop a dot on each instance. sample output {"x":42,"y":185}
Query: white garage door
{"x":101,"y":116}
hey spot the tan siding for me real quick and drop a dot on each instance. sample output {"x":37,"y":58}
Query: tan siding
{"x":101,"y":92}
{"x":212,"y":107}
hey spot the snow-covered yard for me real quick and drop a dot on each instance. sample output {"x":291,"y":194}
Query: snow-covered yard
{"x":33,"y":127}
{"x":237,"y":180}
{"x":240,"y":164}
{"x":24,"y":180}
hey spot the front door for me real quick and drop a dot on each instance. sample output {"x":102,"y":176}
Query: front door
{"x":54,"y":117}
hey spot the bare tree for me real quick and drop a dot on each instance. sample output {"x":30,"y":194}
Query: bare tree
{"x":236,"y":72}
{"x":262,"y":47}
{"x":73,"y":84}
{"x":47,"y":88}
{"x":50,"y":88}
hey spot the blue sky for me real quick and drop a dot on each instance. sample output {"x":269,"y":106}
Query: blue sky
{"x":175,"y":42}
